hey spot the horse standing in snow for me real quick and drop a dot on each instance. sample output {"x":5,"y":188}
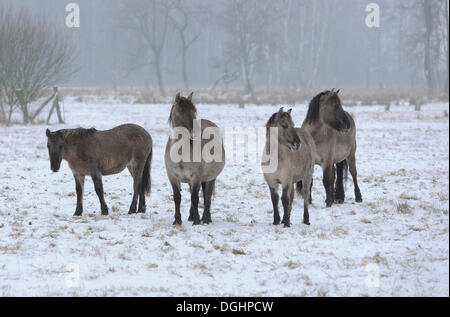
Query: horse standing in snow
{"x":288,"y":158}
{"x":334,"y":133}
{"x":98,"y":153}
{"x":190,"y":158}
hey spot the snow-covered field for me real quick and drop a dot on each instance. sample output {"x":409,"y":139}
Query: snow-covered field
{"x":396,"y":243}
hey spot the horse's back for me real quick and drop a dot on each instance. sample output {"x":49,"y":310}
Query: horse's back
{"x":130,"y":131}
{"x":119,"y":147}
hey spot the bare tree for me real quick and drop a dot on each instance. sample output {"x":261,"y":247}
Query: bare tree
{"x":34,"y":55}
{"x":182,"y":21}
{"x":149,"y":19}
{"x":246,"y":23}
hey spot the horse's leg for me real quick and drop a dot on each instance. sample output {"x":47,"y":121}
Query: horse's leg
{"x":79,"y":185}
{"x":191,"y":209}
{"x":339,"y":191}
{"x":208,"y":189}
{"x":287,"y":204}
{"x":291,"y":197}
{"x":177,"y":201}
{"x":328,"y":183}
{"x":195,"y":188}
{"x":142,"y":207}
{"x":306,"y":194}
{"x":310,"y":192}
{"x":136,"y":171}
{"x":352,"y":167}
{"x":274,"y":196}
{"x":137,"y":184}
{"x":97,"y":179}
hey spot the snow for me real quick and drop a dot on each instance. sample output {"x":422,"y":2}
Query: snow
{"x":396,"y":243}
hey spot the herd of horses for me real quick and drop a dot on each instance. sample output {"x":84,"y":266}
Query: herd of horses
{"x":327,"y":138}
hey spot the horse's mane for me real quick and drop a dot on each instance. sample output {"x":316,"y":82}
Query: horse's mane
{"x":314,"y":106}
{"x":80,"y":132}
{"x":186,"y":104}
{"x":272,"y":118}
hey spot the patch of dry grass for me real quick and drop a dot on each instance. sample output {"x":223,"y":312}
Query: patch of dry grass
{"x":404,"y":208}
{"x":238,"y":252}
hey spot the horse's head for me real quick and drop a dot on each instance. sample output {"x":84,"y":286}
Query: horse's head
{"x":55,"y":145}
{"x":286,"y":130}
{"x":183,"y":113}
{"x":332,"y":113}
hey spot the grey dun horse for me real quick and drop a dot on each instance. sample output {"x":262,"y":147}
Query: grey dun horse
{"x":98,"y":153}
{"x":334,"y":133}
{"x":196,"y":173}
{"x":296,"y":156}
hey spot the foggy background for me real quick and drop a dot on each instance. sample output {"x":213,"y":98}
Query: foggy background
{"x":299,"y":44}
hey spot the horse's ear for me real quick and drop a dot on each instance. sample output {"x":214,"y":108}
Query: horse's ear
{"x":190,"y":96}
{"x":177,"y":97}
{"x":47,"y":133}
{"x":289,"y":111}
{"x":327,"y":96}
{"x":281,"y":110}
{"x":337,"y":92}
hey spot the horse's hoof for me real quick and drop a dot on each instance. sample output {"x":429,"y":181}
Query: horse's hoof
{"x":77,"y":214}
{"x":142,"y":211}
{"x":191,"y":218}
{"x":131,"y":212}
{"x":306,"y":222}
{"x":276,"y":222}
{"x":196,"y":223}
{"x":287,"y":225}
{"x":359,"y":200}
{"x":177,"y":223}
{"x":206,"y":221}
{"x":105,"y":213}
{"x":339,"y":201}
{"x":329,"y":205}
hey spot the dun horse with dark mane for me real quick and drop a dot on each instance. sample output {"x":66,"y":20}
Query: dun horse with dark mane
{"x":334,"y":133}
{"x":98,"y":153}
{"x":189,"y":157}
{"x":288,"y":159}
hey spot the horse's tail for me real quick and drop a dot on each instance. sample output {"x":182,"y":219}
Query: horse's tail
{"x":146,"y":176}
{"x":345,"y":175}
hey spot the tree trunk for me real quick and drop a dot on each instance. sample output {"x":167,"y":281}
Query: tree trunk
{"x":428,"y":68}
{"x":159,"y":76}
{"x":3,"y":113}
{"x":184,"y":66}
{"x":11,"y":109}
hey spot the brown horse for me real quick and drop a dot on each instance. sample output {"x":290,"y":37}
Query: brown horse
{"x":189,"y":157}
{"x":291,"y":153}
{"x":334,"y":133}
{"x":98,"y":153}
